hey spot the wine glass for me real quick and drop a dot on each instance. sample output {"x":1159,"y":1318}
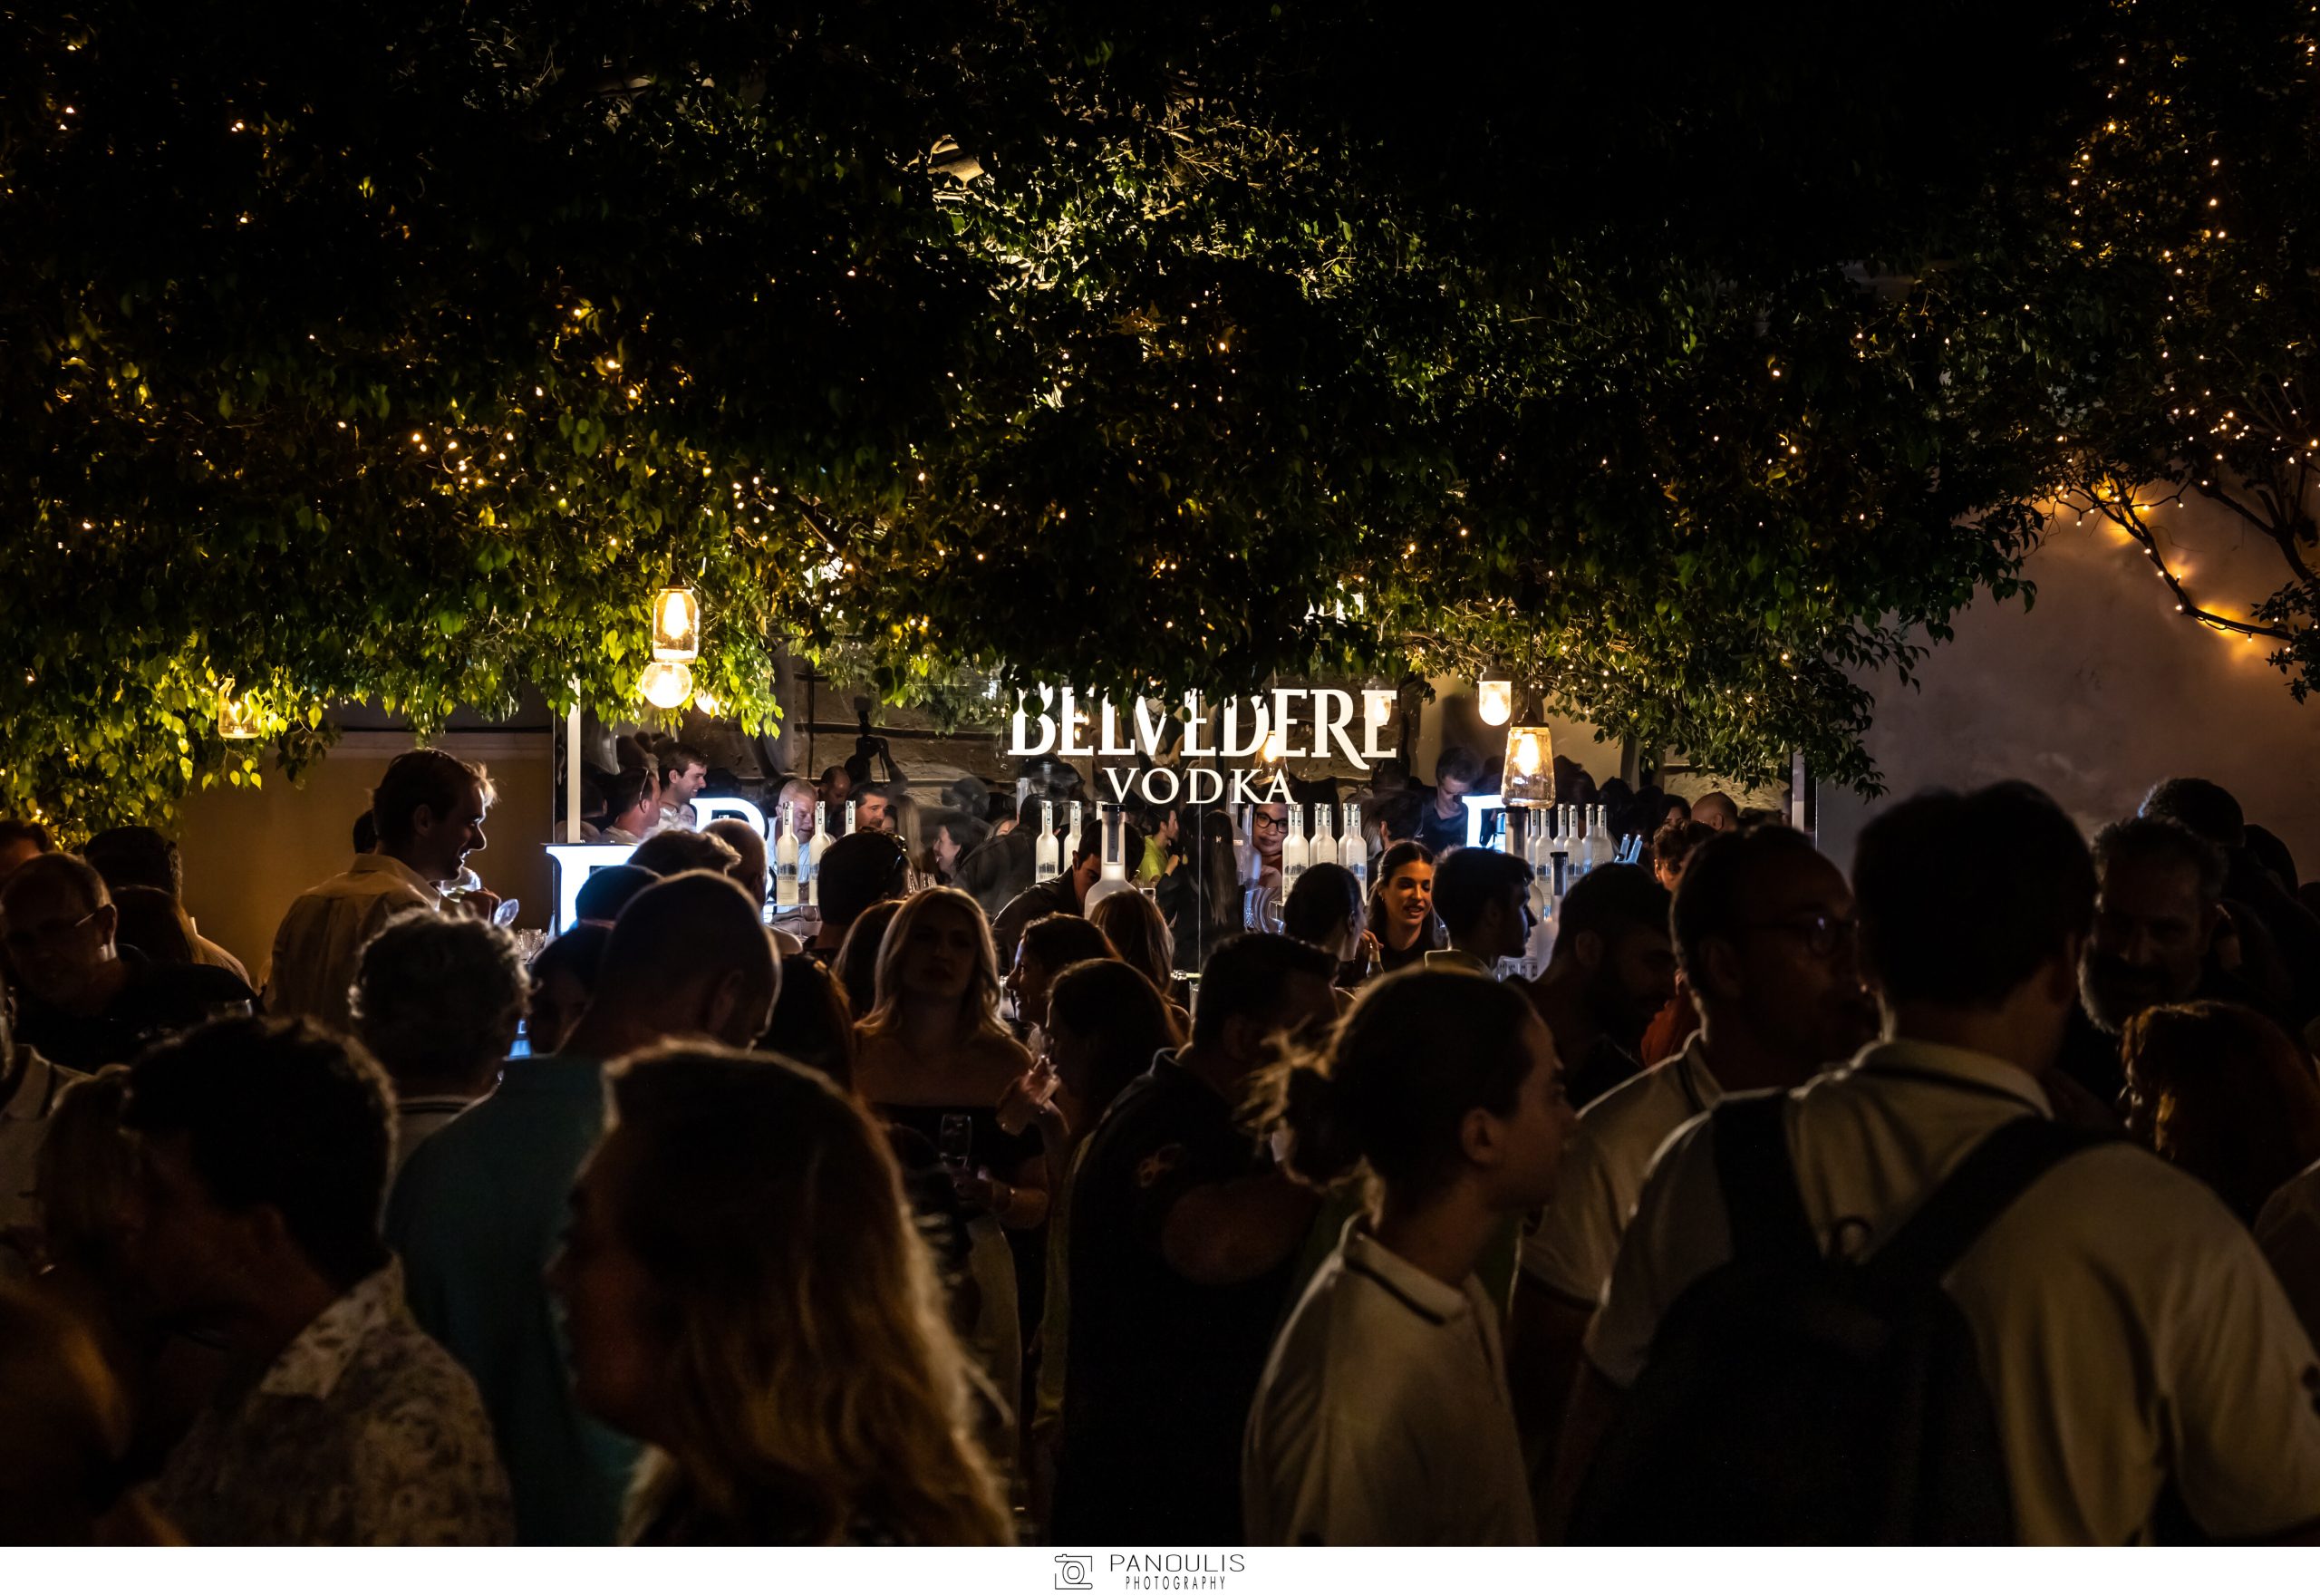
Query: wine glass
{"x":954,"y":1143}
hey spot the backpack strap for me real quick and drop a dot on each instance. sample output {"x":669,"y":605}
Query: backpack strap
{"x":1761,"y":1202}
{"x":2003,"y":1166}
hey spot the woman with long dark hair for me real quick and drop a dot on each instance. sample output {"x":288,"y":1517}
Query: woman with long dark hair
{"x":1104,"y":1027}
{"x":2221,"y":1092}
{"x":1401,"y":907}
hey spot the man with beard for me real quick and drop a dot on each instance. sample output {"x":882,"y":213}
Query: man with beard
{"x":1764,"y":930}
{"x":2157,"y":905}
{"x":1613,"y":970}
{"x":2123,"y":1361}
{"x":2279,"y":938}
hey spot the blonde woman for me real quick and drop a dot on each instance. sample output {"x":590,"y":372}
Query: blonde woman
{"x":908,"y":824}
{"x":1139,"y":931}
{"x":748,"y":1296}
{"x":934,"y":1057}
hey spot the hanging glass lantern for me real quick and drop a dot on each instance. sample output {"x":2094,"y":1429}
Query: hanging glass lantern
{"x":237,"y":717}
{"x":1494,"y":702}
{"x":1529,"y":781}
{"x":676,"y":626}
{"x":666,"y":685}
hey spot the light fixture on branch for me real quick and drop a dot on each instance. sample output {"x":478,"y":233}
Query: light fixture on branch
{"x":666,"y":685}
{"x":676,"y":626}
{"x":1529,"y":781}
{"x":237,"y":717}
{"x":1494,"y":700}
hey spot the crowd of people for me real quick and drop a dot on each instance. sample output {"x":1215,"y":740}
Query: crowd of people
{"x":1969,"y":1193}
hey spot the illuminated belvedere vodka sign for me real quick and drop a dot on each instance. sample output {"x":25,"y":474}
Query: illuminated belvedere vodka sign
{"x":1284,"y":724}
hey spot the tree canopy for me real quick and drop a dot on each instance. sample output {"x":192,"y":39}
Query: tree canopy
{"x":401,"y":352}
{"x":2190,"y":203}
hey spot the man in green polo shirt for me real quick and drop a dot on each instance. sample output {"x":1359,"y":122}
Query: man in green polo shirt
{"x":479,"y":1211}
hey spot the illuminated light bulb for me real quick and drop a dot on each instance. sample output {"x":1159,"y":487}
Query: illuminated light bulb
{"x":665,"y":685}
{"x":676,"y":625}
{"x":1529,"y":781}
{"x":1276,"y":747}
{"x":1377,"y":705}
{"x":705,"y":701}
{"x":1494,"y":702}
{"x":237,"y":717}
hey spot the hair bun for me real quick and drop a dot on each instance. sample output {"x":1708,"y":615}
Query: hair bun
{"x":1324,"y":1143}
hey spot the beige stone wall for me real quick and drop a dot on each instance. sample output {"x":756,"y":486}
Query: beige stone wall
{"x":249,"y":853}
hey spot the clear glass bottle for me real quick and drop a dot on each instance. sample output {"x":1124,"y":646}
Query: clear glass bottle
{"x":812,"y":872}
{"x":1046,"y":855}
{"x":785,"y":860}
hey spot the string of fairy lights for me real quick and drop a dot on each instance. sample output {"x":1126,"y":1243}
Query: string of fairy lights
{"x":2254,"y":436}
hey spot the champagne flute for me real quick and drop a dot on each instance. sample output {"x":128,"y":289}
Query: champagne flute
{"x":954,"y":1143}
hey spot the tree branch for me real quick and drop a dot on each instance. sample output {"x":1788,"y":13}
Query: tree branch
{"x":2123,"y":512}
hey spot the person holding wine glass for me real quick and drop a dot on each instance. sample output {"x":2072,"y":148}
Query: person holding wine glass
{"x":934,"y":1045}
{"x":934,"y":1060}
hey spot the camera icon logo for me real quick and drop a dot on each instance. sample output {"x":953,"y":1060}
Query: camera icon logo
{"x":1071,"y":1571}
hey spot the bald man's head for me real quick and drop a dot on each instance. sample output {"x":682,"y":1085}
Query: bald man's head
{"x":1719,"y":811}
{"x":689,"y":957}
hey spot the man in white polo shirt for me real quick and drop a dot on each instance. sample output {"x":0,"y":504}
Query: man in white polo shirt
{"x":2133,"y":1345}
{"x":29,"y":1087}
{"x":1764,"y":931}
{"x":430,"y":808}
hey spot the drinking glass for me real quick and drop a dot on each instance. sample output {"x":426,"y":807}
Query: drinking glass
{"x":955,"y":1143}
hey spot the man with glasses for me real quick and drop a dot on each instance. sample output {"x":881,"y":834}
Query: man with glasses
{"x":1261,"y":890}
{"x":83,"y":1000}
{"x":2136,"y":1360}
{"x":1764,"y":931}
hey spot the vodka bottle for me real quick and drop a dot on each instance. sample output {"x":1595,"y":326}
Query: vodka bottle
{"x":1561,"y":853}
{"x":785,"y":860}
{"x":1543,"y":896}
{"x":1047,"y":854}
{"x":1321,"y":847}
{"x":1542,"y":938}
{"x":1068,"y":849}
{"x":1353,"y":849}
{"x":812,"y":870}
{"x":1113,"y":878}
{"x":1294,"y":854}
{"x":849,"y":817}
